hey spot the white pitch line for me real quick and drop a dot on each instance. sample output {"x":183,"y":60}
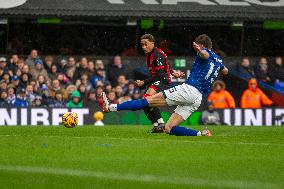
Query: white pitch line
{"x":139,"y":178}
{"x":149,"y":139}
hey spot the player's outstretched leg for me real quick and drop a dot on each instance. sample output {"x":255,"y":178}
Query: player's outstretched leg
{"x":156,"y":100}
{"x":172,"y":127}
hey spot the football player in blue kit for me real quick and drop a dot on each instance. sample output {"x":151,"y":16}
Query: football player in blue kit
{"x":186,"y":97}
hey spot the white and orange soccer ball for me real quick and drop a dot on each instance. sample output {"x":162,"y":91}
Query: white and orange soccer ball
{"x":70,"y":119}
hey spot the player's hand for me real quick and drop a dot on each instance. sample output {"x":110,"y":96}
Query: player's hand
{"x":178,"y":74}
{"x":139,"y":83}
{"x":196,"y":47}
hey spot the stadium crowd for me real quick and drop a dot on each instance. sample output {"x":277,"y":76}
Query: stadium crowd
{"x":36,"y":82}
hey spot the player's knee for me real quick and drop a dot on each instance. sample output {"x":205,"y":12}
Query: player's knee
{"x":150,"y":99}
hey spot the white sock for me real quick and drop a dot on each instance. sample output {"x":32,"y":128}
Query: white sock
{"x":199,"y":133}
{"x":160,"y":120}
{"x":155,"y":124}
{"x":113,"y":107}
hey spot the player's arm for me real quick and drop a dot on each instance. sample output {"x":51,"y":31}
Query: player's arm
{"x":159,"y":76}
{"x":201,"y":52}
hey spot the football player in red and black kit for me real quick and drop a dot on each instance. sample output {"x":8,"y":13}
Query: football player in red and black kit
{"x":160,"y":79}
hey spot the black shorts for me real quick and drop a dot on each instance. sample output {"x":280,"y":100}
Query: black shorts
{"x":159,"y":86}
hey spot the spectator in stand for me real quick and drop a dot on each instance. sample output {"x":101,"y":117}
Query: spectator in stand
{"x":99,"y":76}
{"x":62,"y":79}
{"x":46,"y":96}
{"x":137,"y":94}
{"x":53,"y":72}
{"x":254,"y":97}
{"x":108,"y":87}
{"x":6,"y":77}
{"x":115,"y":70}
{"x":13,"y":62}
{"x":58,"y":102}
{"x":245,"y":68}
{"x":121,"y":81}
{"x":70,"y":75}
{"x":91,"y":69}
{"x":91,"y":99}
{"x":119,"y":91}
{"x":18,"y":72}
{"x":21,"y":63}
{"x":24,"y":80}
{"x":48,"y":62}
{"x":37,"y":102}
{"x":99,"y":65}
{"x":30,"y":93}
{"x":56,"y":87}
{"x":70,"y":89}
{"x":83,"y":91}
{"x":75,"y":101}
{"x":100,"y":83}
{"x":276,"y":71}
{"x":85,"y":81}
{"x":219,"y":97}
{"x":21,"y":100}
{"x":41,"y":80}
{"x":3,"y":64}
{"x":3,"y":85}
{"x":38,"y":69}
{"x":63,"y":66}
{"x":15,"y":81}
{"x":261,"y":70}
{"x":3,"y":99}
{"x":83,"y":67}
{"x":112,"y":97}
{"x":210,"y":116}
{"x":32,"y":58}
{"x":71,"y":62}
{"x":131,"y":89}
{"x":26,"y":70}
{"x":11,"y":95}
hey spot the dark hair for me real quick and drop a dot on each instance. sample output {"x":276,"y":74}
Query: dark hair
{"x":204,"y":40}
{"x":149,"y":37}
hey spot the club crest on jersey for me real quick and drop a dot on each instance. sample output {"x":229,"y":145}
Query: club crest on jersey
{"x":159,"y":62}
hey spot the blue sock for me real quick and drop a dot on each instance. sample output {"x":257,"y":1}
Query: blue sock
{"x":133,"y":105}
{"x":182,"y":131}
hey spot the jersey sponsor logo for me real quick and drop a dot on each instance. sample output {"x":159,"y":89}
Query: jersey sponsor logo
{"x":157,"y":83}
{"x":276,"y":3}
{"x":6,"y":4}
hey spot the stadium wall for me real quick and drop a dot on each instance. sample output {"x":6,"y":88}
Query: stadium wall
{"x":52,"y":117}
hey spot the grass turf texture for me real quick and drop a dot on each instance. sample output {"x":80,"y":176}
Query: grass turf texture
{"x":129,"y":157}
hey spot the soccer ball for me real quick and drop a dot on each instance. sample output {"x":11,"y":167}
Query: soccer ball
{"x":70,"y":119}
{"x":98,"y":116}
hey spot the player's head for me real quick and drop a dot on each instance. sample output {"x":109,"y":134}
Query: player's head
{"x":204,"y":41}
{"x":147,"y":43}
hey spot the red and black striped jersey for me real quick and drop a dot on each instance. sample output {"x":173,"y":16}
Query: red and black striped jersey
{"x":159,"y":67}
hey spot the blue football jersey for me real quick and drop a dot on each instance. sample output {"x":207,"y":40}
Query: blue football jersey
{"x":204,"y":72}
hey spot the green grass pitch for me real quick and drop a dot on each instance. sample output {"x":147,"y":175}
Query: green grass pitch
{"x":121,"y":157}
